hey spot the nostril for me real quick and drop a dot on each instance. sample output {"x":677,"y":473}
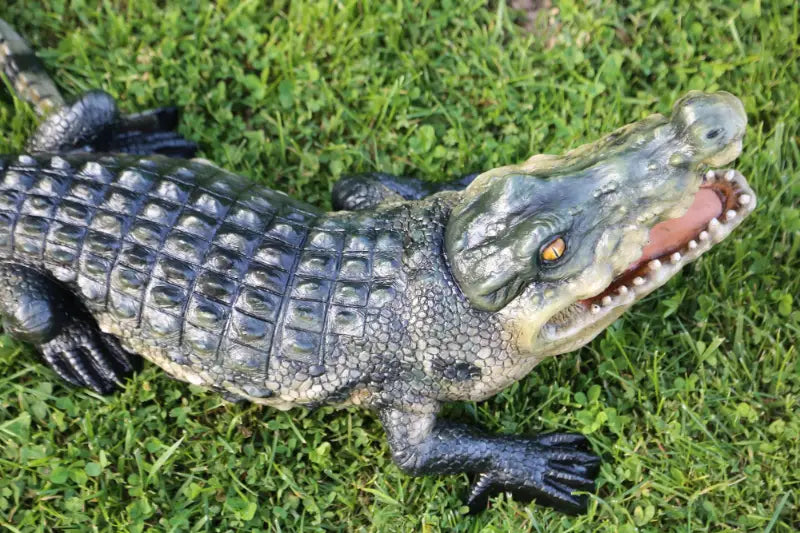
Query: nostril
{"x":713,"y":133}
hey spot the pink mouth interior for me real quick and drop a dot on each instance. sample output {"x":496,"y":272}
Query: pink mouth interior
{"x":673,"y":235}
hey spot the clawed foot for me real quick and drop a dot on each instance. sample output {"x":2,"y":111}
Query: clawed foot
{"x":548,"y":468}
{"x":85,"y":357}
{"x":152,"y":132}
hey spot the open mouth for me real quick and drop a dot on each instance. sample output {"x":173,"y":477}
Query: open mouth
{"x":722,"y":202}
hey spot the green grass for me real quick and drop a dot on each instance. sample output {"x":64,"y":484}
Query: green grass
{"x":691,"y":398}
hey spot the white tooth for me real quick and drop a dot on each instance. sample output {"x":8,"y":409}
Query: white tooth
{"x":730,"y":215}
{"x":676,"y":257}
{"x":744,"y":199}
{"x":710,"y":175}
{"x":729,"y":175}
{"x":713,"y":224}
{"x":606,"y":300}
{"x":703,"y":236}
{"x":623,"y":290}
{"x":638,"y":280}
{"x":692,"y":244}
{"x":595,"y":309}
{"x":655,"y":264}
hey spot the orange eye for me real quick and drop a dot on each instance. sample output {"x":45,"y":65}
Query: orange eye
{"x":553,"y":250}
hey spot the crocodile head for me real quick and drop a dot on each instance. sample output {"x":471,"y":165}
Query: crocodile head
{"x":560,"y":246}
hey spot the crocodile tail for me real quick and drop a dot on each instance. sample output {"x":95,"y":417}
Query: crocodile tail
{"x":25,"y":73}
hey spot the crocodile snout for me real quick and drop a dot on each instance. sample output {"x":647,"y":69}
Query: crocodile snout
{"x":712,"y":125}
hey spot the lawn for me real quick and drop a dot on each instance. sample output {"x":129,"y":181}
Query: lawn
{"x":691,"y":398}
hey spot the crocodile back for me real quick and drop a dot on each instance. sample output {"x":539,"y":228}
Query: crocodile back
{"x":197,"y":268}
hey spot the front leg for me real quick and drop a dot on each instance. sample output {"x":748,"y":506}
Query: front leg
{"x":361,"y":192}
{"x":547,"y":468}
{"x":367,"y":191}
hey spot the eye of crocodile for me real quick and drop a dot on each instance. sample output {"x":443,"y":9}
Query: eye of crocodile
{"x":713,"y":133}
{"x":553,"y":250}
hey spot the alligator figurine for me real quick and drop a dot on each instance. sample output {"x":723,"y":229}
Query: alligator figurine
{"x":407,"y":296}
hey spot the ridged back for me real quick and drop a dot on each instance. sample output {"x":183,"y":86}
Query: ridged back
{"x":187,"y":257}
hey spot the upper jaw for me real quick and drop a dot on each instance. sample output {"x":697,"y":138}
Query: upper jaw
{"x":591,"y":315}
{"x":727,"y":155}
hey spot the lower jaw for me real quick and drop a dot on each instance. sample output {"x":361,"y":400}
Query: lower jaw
{"x":582,"y":321}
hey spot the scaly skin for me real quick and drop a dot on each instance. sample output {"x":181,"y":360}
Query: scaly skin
{"x":408,"y":297}
{"x":247,"y":291}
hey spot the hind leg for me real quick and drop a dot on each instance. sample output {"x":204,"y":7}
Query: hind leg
{"x":36,"y":309}
{"x":93,"y":123}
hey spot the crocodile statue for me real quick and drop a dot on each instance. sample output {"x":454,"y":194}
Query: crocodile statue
{"x":115,"y":246}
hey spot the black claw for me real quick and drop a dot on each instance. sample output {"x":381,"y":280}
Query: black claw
{"x":152,"y":120}
{"x":555,"y":492}
{"x":85,"y":357}
{"x":102,"y":365}
{"x":567,"y":440}
{"x":483,"y":489}
{"x":166,"y":143}
{"x":576,"y":469}
{"x":152,"y":132}
{"x":76,"y":361}
{"x":576,"y":462}
{"x":563,"y":500}
{"x":548,"y":469}
{"x":60,"y":367}
{"x":101,"y":376}
{"x":557,"y":477}
{"x":125,"y":363}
